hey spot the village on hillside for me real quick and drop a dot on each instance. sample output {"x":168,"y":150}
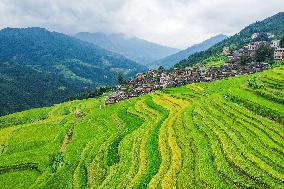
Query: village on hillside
{"x":154,"y":80}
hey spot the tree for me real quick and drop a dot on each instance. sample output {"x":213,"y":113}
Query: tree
{"x":264,"y":54}
{"x":281,"y":44}
{"x":262,"y":37}
{"x":245,"y":59}
{"x":161,"y":69}
{"x":120,"y":78}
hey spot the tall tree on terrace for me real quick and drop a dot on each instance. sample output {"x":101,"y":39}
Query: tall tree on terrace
{"x":161,"y":69}
{"x":245,"y":59}
{"x":120,"y":78}
{"x":264,"y":54}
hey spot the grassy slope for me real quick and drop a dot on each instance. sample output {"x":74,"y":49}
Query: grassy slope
{"x":214,"y":61}
{"x":224,"y":134}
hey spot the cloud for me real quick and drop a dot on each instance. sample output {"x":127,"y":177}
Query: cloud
{"x":177,"y":23}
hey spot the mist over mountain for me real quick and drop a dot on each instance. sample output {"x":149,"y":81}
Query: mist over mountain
{"x":139,"y":50}
{"x":169,"y":61}
{"x":40,"y":68}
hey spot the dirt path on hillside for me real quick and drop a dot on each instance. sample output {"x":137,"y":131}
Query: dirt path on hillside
{"x":67,"y":140}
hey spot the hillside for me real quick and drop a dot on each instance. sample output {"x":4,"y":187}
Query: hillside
{"x":274,"y":24}
{"x":224,"y":134}
{"x":39,"y":68}
{"x":169,"y":61}
{"x":139,"y":50}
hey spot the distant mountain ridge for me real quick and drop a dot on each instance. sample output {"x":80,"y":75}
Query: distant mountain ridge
{"x":169,"y":61}
{"x":273,"y":24}
{"x":39,"y":68}
{"x":139,"y":50}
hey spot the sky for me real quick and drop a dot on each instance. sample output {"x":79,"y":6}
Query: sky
{"x":175,"y":23}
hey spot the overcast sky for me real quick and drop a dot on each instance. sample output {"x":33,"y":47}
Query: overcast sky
{"x":176,"y":23}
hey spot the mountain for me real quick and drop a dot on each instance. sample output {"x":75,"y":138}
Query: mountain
{"x":39,"y":68}
{"x":273,"y":24}
{"x":169,"y":61}
{"x":224,"y":134}
{"x":139,"y":50}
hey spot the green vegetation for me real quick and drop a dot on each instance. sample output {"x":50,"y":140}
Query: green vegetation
{"x":161,"y":68}
{"x":215,"y":61}
{"x":58,"y":160}
{"x":120,"y":78}
{"x":92,"y":94}
{"x":223,"y":134}
{"x":245,"y":60}
{"x":264,"y":54}
{"x":261,"y":37}
{"x":253,"y":83}
{"x":274,"y":24}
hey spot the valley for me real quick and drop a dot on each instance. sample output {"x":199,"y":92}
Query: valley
{"x":39,"y":68}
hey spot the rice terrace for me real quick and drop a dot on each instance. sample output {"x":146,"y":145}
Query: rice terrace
{"x":223,"y":134}
{"x":151,"y":94}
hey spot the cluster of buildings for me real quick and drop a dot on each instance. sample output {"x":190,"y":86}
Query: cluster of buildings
{"x":279,"y":54}
{"x":154,"y":80}
{"x":250,"y":49}
{"x":275,"y":44}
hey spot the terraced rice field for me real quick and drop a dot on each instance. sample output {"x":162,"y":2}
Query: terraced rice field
{"x":225,"y":134}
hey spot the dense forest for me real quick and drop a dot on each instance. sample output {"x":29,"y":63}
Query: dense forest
{"x":39,"y":68}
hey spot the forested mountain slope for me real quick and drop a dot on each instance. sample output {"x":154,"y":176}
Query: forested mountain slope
{"x":139,"y":50}
{"x":39,"y":68}
{"x":171,"y":60}
{"x":224,"y":134}
{"x":273,"y":24}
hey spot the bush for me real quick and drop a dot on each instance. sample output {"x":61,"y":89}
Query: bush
{"x":58,"y":160}
{"x":254,"y":84}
